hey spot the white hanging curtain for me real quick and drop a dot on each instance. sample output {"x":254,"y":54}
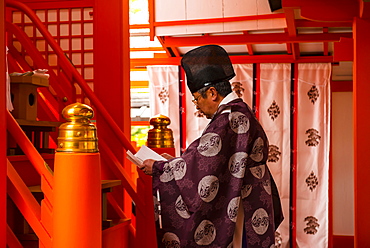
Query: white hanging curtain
{"x":195,"y":122}
{"x":242,"y":83}
{"x":313,"y":154}
{"x":164,"y":96}
{"x":274,"y":115}
{"x":275,"y":106}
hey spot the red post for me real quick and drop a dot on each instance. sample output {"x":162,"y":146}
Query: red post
{"x":2,"y":130}
{"x":145,"y":226}
{"x":77,"y":200}
{"x":77,"y":216}
{"x":361,"y":118}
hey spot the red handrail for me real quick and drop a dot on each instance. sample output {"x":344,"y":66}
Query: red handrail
{"x":118,"y":170}
{"x":36,"y":56}
{"x":67,"y":66}
{"x":27,"y":147}
{"x":11,"y":239}
{"x":26,"y":203}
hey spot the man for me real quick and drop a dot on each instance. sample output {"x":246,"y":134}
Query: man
{"x":221,"y":183}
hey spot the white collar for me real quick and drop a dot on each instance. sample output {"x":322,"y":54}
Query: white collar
{"x":230,"y":97}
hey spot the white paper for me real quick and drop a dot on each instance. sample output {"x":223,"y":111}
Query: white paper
{"x":143,"y":154}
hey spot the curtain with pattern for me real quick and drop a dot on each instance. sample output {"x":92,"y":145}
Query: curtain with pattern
{"x":313,"y":141}
{"x":274,"y":115}
{"x":295,"y":114}
{"x":164,"y":96}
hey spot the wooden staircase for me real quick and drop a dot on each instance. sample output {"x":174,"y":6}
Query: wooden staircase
{"x":31,"y":160}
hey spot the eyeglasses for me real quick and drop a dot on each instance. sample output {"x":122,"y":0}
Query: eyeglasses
{"x":195,"y":100}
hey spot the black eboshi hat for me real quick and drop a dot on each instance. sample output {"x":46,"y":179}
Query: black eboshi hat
{"x":205,"y":66}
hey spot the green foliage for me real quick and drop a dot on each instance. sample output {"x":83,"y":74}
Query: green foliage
{"x":139,"y":134}
{"x":135,"y":6}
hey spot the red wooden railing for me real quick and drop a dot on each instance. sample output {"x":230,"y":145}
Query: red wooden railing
{"x":67,"y":66}
{"x":31,"y":209}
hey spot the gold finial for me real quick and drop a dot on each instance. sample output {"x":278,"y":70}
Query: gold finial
{"x":160,"y":136}
{"x":77,"y":134}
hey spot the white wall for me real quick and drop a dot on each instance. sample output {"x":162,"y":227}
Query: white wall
{"x":342,"y":155}
{"x":170,"y":10}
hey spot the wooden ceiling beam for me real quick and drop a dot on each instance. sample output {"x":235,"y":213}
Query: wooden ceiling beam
{"x":328,"y":10}
{"x":295,"y":51}
{"x":302,"y":23}
{"x":142,"y":63}
{"x":272,"y":38}
{"x":364,"y":9}
{"x":249,"y":46}
{"x":290,"y":21}
{"x":326,"y":44}
{"x":171,"y":51}
{"x":218,"y":20}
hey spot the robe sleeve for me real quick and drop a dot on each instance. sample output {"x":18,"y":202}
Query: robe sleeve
{"x":205,"y":169}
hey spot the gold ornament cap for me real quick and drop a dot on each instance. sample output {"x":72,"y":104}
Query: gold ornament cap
{"x":78,"y":134}
{"x":160,"y":136}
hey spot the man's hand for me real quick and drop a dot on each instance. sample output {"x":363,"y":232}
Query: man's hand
{"x":147,"y":166}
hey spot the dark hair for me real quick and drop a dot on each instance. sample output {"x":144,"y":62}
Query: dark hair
{"x":223,"y":88}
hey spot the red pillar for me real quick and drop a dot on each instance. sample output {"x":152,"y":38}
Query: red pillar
{"x":361,"y":110}
{"x":77,"y":200}
{"x":2,"y":130}
{"x":145,"y":223}
{"x":112,"y":74}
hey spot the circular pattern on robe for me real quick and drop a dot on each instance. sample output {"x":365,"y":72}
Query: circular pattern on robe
{"x":210,"y":144}
{"x":181,"y":208}
{"x":167,"y":174}
{"x":246,"y":190}
{"x":239,"y":122}
{"x":238,"y":163}
{"x":157,"y":210}
{"x":208,"y":188}
{"x":258,"y":171}
{"x":257,"y":151}
{"x":260,"y":221}
{"x":205,"y":233}
{"x":178,"y":166}
{"x":170,"y":240}
{"x":267,"y":186}
{"x":175,"y":169}
{"x":232,"y":208}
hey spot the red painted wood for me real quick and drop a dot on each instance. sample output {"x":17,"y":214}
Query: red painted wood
{"x":343,"y":50}
{"x":340,"y":241}
{"x":344,"y":10}
{"x":112,"y":78}
{"x":27,"y":204}
{"x":11,"y":239}
{"x":3,"y":139}
{"x":57,"y":4}
{"x":183,"y":112}
{"x":361,"y":110}
{"x":145,"y":222}
{"x":341,"y":86}
{"x":253,"y":39}
{"x":218,"y":20}
{"x":257,"y":93}
{"x":293,"y":197}
{"x":142,"y":63}
{"x":77,"y":200}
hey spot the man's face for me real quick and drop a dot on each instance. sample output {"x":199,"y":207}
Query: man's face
{"x":204,"y":104}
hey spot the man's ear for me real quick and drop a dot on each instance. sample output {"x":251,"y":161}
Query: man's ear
{"x":214,"y":93}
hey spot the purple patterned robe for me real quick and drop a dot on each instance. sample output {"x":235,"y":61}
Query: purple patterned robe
{"x":200,"y":191}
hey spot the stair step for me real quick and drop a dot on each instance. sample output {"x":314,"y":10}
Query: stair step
{"x":105,"y":185}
